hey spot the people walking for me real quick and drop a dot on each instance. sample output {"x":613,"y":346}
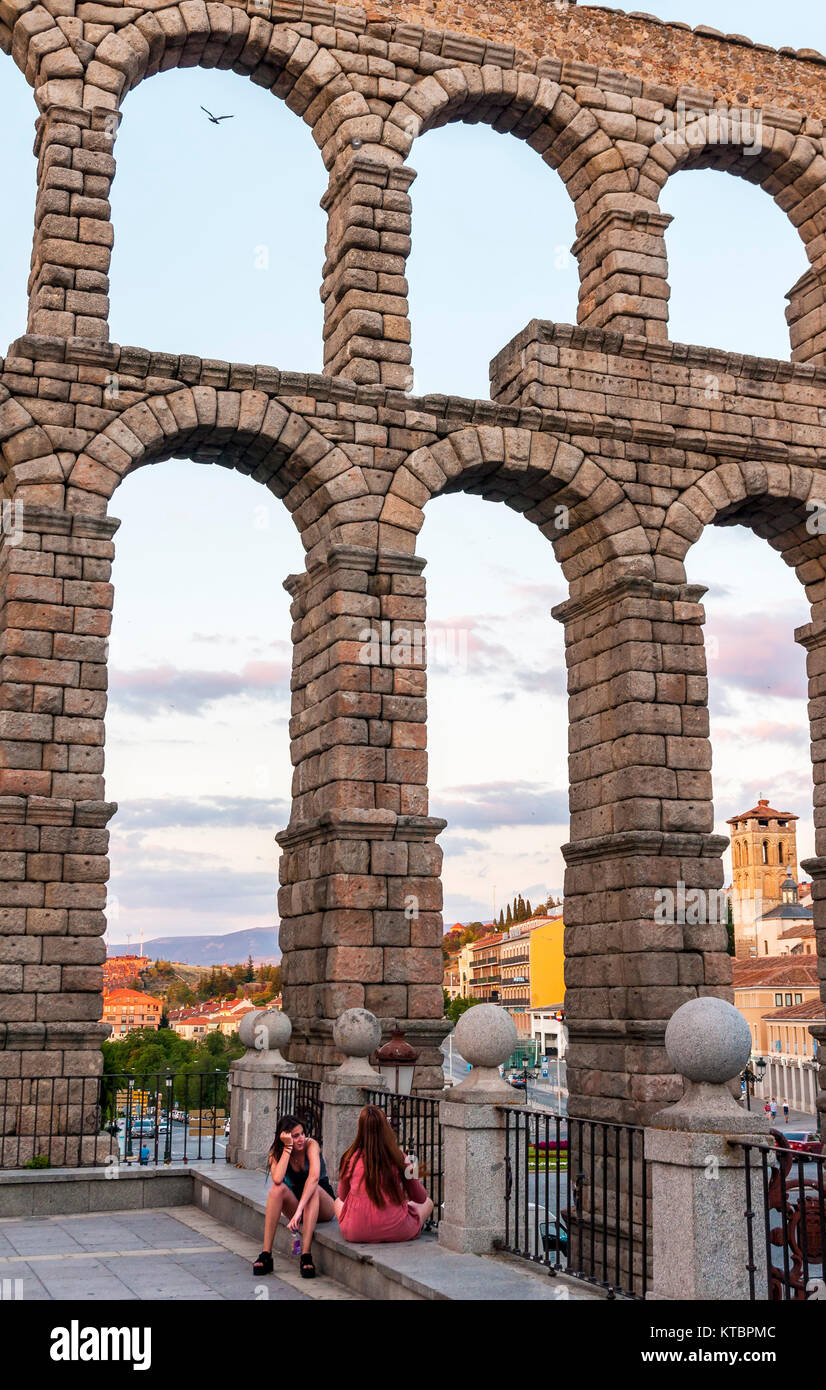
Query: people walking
{"x":378,"y":1198}
{"x":773,"y":1108}
{"x":785,"y":1112}
{"x":301,"y":1192}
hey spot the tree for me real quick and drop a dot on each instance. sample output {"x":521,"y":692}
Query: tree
{"x":501,"y":919}
{"x":509,"y":918}
{"x":249,"y":974}
{"x":528,"y":909}
{"x":456,"y":1007}
{"x":730,"y":928}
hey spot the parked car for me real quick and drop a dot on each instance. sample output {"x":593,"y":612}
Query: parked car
{"x":554,"y":1236}
{"x":518,"y":1083}
{"x":803,"y":1141}
{"x":144,"y":1129}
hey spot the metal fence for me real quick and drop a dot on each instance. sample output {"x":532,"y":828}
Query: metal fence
{"x":88,"y":1121}
{"x":416,"y":1122}
{"x":786,"y":1186}
{"x":301,"y":1098}
{"x":576,"y":1198}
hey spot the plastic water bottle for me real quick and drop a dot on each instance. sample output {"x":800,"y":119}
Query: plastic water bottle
{"x":297,"y":1245}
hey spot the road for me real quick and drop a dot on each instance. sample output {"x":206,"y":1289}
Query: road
{"x":184,"y":1144}
{"x":541,"y":1094}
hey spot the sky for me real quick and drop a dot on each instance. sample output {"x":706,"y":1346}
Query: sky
{"x":219,"y":245}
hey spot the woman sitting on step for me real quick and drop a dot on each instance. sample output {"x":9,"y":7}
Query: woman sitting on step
{"x":300,"y":1191}
{"x":377,"y":1200}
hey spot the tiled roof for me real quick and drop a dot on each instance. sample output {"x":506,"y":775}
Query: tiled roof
{"x":804,"y":932}
{"x":813,"y":1010}
{"x":769,"y":971}
{"x":763,"y":811}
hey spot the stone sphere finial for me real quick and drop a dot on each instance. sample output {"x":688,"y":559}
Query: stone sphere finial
{"x":357,"y":1033}
{"x":708,"y":1040}
{"x":485,"y":1035}
{"x":266,"y":1030}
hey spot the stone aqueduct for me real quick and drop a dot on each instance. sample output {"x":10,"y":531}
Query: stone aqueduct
{"x":608,"y":418}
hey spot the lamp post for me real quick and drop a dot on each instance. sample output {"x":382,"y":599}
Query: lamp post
{"x":167,"y":1158}
{"x":396,"y":1061}
{"x":749,"y":1077}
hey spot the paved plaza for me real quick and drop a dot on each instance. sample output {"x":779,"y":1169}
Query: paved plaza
{"x":164,"y":1253}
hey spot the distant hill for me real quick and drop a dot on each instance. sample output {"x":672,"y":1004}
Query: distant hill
{"x":236,"y":946}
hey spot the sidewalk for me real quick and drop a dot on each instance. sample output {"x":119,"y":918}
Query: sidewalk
{"x":172,"y":1253}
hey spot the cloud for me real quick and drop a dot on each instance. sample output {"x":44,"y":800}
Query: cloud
{"x":767,"y":731}
{"x":492,"y":805}
{"x":757,"y":652}
{"x":226,"y":812}
{"x":159,"y":689}
{"x":456,"y":845}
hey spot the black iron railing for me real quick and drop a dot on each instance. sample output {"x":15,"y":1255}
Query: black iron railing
{"x":416,"y":1122}
{"x":88,"y":1121}
{"x":576,"y":1198}
{"x":786,"y":1186}
{"x":301,"y":1098}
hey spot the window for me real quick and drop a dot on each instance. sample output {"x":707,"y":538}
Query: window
{"x":780,"y":852}
{"x":778,"y":1001}
{"x":798,"y":999}
{"x":788,"y":1000}
{"x":765,"y":851}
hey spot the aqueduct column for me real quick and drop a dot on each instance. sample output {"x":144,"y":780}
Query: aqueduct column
{"x":56,"y":602}
{"x":69,"y":280}
{"x":366,"y":322}
{"x":641,"y":820}
{"x":813,"y":638}
{"x":360,"y":903}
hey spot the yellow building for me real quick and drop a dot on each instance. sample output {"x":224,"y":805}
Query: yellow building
{"x":772,"y":982}
{"x":547,"y":963}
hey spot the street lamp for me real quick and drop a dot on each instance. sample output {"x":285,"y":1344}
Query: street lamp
{"x":396,"y":1061}
{"x":749,"y":1078}
{"x":167,"y":1158}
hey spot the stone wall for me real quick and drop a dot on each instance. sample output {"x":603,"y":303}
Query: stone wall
{"x":620,"y":446}
{"x":730,"y":66}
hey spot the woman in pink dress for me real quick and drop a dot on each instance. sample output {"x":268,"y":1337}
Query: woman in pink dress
{"x":377,"y":1200}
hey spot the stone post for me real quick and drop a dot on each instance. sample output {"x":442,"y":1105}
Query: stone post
{"x":700,"y":1249}
{"x":254,"y":1087}
{"x":473,"y":1133}
{"x":69,"y":280}
{"x":623,"y":270}
{"x":357,"y":1033}
{"x":366,"y":317}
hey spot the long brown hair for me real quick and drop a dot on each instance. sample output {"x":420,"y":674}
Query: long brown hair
{"x":384,"y":1162}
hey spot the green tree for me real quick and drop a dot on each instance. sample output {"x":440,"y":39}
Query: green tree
{"x":730,"y":928}
{"x":509,"y":918}
{"x":528,"y":908}
{"x":456,"y":1007}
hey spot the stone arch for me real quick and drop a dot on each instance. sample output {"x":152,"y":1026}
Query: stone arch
{"x":771,"y":500}
{"x":534,"y":109}
{"x":584,"y":513}
{"x":305,"y":75}
{"x":789,"y":164}
{"x":243,"y":429}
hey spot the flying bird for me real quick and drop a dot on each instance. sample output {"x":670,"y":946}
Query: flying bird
{"x":215,"y":119}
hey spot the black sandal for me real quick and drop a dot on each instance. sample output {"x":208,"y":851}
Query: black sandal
{"x":307,"y":1268}
{"x":263,"y":1265}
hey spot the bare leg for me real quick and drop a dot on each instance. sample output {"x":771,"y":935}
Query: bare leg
{"x":339,"y":1208}
{"x":308,"y":1222}
{"x":280,"y":1199}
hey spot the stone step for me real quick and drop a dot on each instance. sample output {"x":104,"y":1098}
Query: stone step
{"x":416,"y":1270}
